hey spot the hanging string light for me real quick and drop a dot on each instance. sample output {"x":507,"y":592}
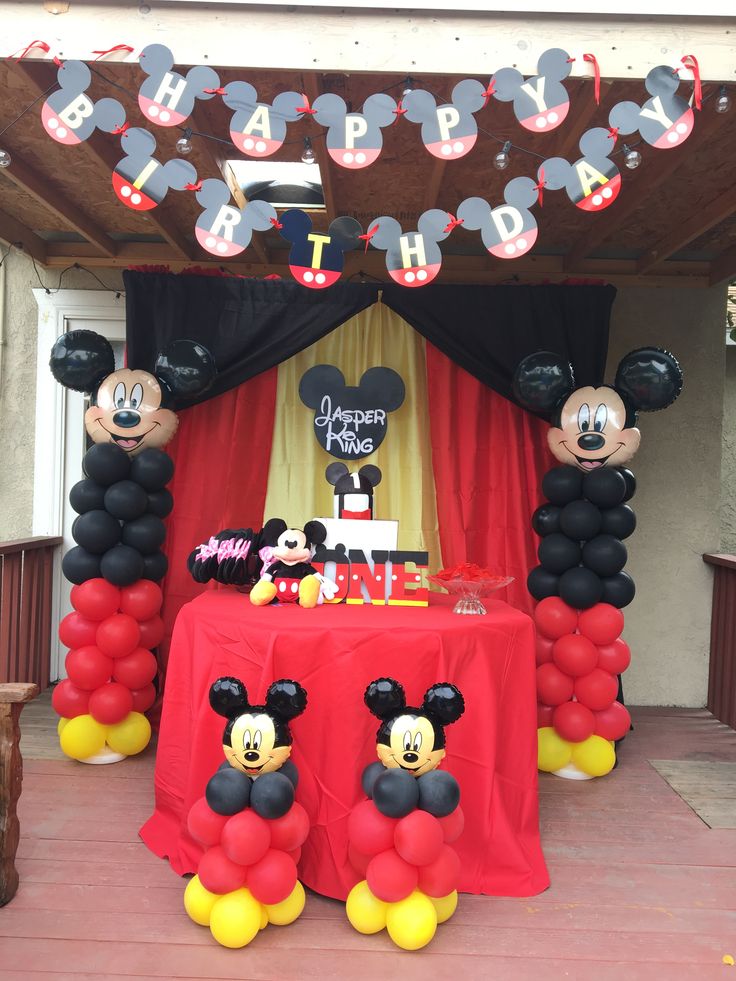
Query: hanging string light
{"x":308,"y":156}
{"x":408,"y":86}
{"x":632,"y":158}
{"x":503,"y":157}
{"x":184,"y":143}
{"x":723,"y":102}
{"x":5,"y":158}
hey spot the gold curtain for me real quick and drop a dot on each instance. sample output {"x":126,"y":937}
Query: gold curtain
{"x":297,"y":488}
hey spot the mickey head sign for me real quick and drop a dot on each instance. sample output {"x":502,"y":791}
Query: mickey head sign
{"x":448,"y":131}
{"x":316,"y":260}
{"x":509,"y":230}
{"x":540,"y":103}
{"x":140,"y":181}
{"x":257,"y":128}
{"x":412,"y":258}
{"x":592,"y":182}
{"x":69,"y":116}
{"x":166,"y":97}
{"x":665,"y":120}
{"x":354,"y":139}
{"x":223,"y":229}
{"x":350,"y":422}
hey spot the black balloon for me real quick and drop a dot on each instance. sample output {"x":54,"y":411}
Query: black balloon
{"x":185,"y":368}
{"x":152,"y":469}
{"x":439,"y":793}
{"x":580,"y":520}
{"x":228,"y":791}
{"x":557,"y":553}
{"x":546,"y":520}
{"x":395,"y":793}
{"x":126,"y":500}
{"x":80,"y":359}
{"x":272,"y":795}
{"x":580,"y":588}
{"x":160,"y":503}
{"x":619,"y":521}
{"x":371,"y":773}
{"x":605,"y":487}
{"x":542,"y":584}
{"x":79,"y":565}
{"x":604,"y":555}
{"x":121,"y":565}
{"x":146,"y":534}
{"x":541,"y":381}
{"x":618,"y":590}
{"x":562,"y":485}
{"x":87,"y":495}
{"x":649,"y":379}
{"x":155,"y":566}
{"x":97,"y":531}
{"x":106,"y":463}
{"x":289,"y":770}
{"x":630,"y":482}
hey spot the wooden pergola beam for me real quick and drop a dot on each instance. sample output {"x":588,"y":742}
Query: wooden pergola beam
{"x":723,"y":267}
{"x":12,"y":232}
{"x":433,"y":184}
{"x":313,"y":89}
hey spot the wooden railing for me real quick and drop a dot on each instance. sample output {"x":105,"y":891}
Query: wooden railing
{"x":722,"y":675}
{"x":26,"y":567}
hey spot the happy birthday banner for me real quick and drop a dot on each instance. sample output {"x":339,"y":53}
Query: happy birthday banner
{"x":354,"y":141}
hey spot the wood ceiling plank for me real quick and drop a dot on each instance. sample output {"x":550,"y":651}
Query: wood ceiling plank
{"x":313,"y":89}
{"x":570,"y":135}
{"x":433,"y":184}
{"x":12,"y":232}
{"x":723,"y":267}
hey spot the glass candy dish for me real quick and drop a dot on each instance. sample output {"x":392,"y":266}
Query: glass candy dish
{"x":470,"y":591}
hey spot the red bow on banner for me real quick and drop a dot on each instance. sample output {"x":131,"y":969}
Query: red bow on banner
{"x":118,"y":47}
{"x":454,"y":222}
{"x":368,"y":236}
{"x":306,"y":108}
{"x":35,"y":44}
{"x":540,"y":186}
{"x":488,"y":92}
{"x":276,"y":224}
{"x":193,"y":187}
{"x":219,"y":91}
{"x":591,"y":59}
{"x":119,"y":130}
{"x":399,"y":112}
{"x":691,"y":62}
{"x":613,"y":133}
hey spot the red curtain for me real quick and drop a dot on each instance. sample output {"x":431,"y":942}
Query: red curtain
{"x":488,"y":458}
{"x":222,"y":453}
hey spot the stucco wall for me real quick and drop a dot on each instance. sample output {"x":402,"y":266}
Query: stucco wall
{"x":18,"y":384}
{"x":677,"y":503}
{"x":728,"y":463}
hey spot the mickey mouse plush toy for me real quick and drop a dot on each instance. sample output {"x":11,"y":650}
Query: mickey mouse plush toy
{"x":290,"y":577}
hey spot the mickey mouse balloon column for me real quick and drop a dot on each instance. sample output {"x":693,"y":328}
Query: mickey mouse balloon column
{"x":251,"y":827}
{"x":399,"y":839}
{"x":117,"y":563}
{"x":580,"y":583}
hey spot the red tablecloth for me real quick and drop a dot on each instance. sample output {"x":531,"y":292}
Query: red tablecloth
{"x":334,"y":651}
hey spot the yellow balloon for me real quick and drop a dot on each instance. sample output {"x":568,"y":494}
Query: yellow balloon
{"x":288,"y":909}
{"x":130,"y":736}
{"x":82,"y":737}
{"x":412,"y":922}
{"x":198,"y":901}
{"x":264,"y":918}
{"x":594,"y":756}
{"x":553,"y":752}
{"x":445,"y":906}
{"x":365,"y":912}
{"x":235,"y":918}
{"x":62,"y":724}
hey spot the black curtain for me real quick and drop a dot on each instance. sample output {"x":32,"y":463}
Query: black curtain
{"x":251,"y":325}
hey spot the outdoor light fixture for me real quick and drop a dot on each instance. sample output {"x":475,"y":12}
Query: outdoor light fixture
{"x":308,"y":156}
{"x":632,"y":158}
{"x":408,"y":86}
{"x":723,"y":102}
{"x":184,"y":143}
{"x":503,"y":157}
{"x":5,"y":158}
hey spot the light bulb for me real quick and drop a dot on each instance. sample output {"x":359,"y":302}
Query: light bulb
{"x":5,"y":158}
{"x":184,"y":143}
{"x":308,"y":153}
{"x":503,"y":157}
{"x":408,"y":87}
{"x":723,"y":102}
{"x":632,"y":158}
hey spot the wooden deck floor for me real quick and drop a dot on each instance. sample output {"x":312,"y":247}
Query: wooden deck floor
{"x":641,"y":887}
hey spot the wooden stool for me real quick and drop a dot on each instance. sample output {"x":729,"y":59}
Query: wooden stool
{"x":12,"y":698}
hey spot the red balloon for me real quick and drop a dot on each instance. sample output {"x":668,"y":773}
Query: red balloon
{"x":358,"y":860}
{"x":291,"y":830}
{"x":118,"y":635}
{"x":575,"y":655}
{"x":77,"y":631}
{"x":246,"y":838}
{"x":152,"y":632}
{"x":370,"y":831}
{"x":573,"y":721}
{"x":203,"y":824}
{"x":143,"y":698}
{"x":553,"y":687}
{"x":88,"y":667}
{"x":69,"y":701}
{"x":295,"y":855}
{"x":544,"y":649}
{"x":615,"y":657}
{"x":390,"y":878}
{"x":544,"y":715}
{"x":418,"y":838}
{"x":273,"y":878}
{"x":596,"y":690}
{"x":613,"y":722}
{"x":218,"y":873}
{"x":601,"y":623}
{"x":136,"y":670}
{"x":453,"y":824}
{"x":142,"y":600}
{"x":554,"y":617}
{"x":441,"y":876}
{"x":96,"y":599}
{"x":111,"y":703}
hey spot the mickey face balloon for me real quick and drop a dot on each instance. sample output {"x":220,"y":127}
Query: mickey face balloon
{"x":593,"y":430}
{"x":128,"y":412}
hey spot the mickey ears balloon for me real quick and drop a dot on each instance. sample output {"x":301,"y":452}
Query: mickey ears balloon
{"x":167,"y":98}
{"x":69,"y":116}
{"x":540,"y":103}
{"x":257,"y":128}
{"x":664,"y":121}
{"x":224,"y":230}
{"x":449,"y":131}
{"x":412,"y":258}
{"x":509,"y":230}
{"x":649,"y":379}
{"x":542,"y":381}
{"x":354,"y":139}
{"x":592,"y":182}
{"x":316,"y":260}
{"x":140,"y":181}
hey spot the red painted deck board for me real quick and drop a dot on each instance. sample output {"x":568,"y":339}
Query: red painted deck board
{"x":641,"y":888}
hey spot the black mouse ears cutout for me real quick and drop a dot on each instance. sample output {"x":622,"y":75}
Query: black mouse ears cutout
{"x":443,"y":702}
{"x":386,"y":698}
{"x":315,"y":532}
{"x":335,"y":471}
{"x":649,"y":379}
{"x":81,"y":359}
{"x":285,"y":699}
{"x":542,"y":381}
{"x":383,"y":387}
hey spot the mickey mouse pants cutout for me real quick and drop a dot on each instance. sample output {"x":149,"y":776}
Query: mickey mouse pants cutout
{"x":580,"y":583}
{"x":117,"y":562}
